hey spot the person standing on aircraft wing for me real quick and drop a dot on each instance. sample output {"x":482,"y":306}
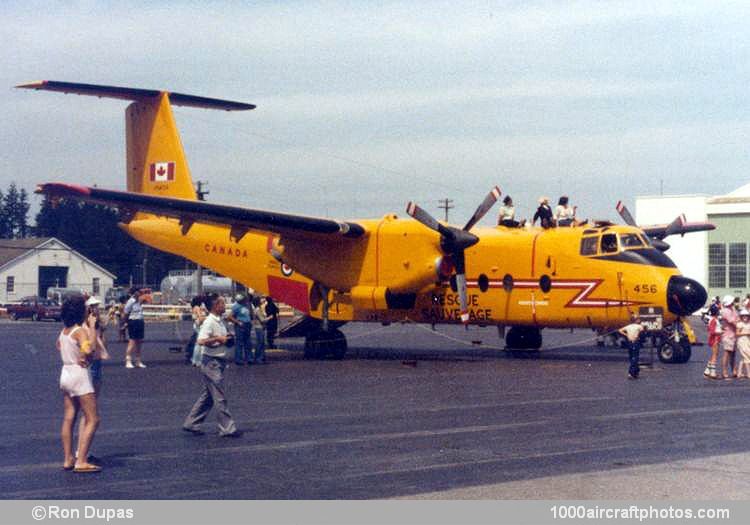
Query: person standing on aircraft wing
{"x":544,"y":214}
{"x":214,"y":338}
{"x":632,"y":333}
{"x":729,"y":320}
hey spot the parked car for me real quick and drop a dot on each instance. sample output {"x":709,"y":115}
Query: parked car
{"x":34,"y":308}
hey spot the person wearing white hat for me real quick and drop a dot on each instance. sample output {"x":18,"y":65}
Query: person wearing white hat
{"x":544,"y":214}
{"x":729,"y":319}
{"x":98,"y":355}
{"x":743,"y":344}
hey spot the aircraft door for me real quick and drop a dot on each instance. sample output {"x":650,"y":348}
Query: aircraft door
{"x":545,"y":301}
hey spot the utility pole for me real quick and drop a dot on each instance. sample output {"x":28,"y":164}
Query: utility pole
{"x":201,"y":193}
{"x":446,"y":204}
{"x":145,"y":265}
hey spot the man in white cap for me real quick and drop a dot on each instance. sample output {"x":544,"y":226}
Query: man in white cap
{"x":729,"y":320}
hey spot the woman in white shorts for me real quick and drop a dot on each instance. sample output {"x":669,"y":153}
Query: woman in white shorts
{"x":76,"y":343}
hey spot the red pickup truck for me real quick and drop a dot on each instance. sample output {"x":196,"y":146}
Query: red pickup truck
{"x":35,"y":308}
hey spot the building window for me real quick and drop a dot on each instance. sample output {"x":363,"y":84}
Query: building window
{"x":10,"y":284}
{"x":717,"y":265}
{"x":737,"y":265}
{"x":95,"y":286}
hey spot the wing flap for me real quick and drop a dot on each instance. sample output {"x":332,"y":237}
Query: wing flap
{"x":189,"y":211}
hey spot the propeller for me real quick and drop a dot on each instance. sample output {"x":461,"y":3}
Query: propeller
{"x":453,"y":241}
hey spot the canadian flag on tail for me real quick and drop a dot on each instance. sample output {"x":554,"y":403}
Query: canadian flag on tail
{"x":162,"y":171}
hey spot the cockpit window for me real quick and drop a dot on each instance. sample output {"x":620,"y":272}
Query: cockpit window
{"x":631,"y":240}
{"x":646,"y":240}
{"x":588,"y":245}
{"x":609,"y":243}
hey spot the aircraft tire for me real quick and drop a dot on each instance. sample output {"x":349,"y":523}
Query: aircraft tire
{"x":685,"y":351}
{"x":320,"y":344}
{"x":524,"y":338}
{"x":312,"y":344}
{"x":338,"y":346}
{"x":673,"y":352}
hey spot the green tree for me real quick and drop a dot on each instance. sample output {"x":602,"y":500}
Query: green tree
{"x":14,"y":211}
{"x":3,"y":218}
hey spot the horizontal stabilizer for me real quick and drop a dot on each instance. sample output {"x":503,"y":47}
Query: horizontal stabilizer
{"x":135,"y":94}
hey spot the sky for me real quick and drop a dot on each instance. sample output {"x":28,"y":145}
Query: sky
{"x":364,"y":106}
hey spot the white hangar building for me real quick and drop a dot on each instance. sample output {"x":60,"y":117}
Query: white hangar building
{"x":31,"y":266}
{"x":717,"y":259}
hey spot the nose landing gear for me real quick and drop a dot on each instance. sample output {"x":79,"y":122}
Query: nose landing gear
{"x":674,"y":346}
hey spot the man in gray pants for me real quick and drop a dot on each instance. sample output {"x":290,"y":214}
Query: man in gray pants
{"x":213,"y":336}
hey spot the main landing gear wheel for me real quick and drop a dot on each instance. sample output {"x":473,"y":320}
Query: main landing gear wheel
{"x":523,"y":341}
{"x":319,"y":345}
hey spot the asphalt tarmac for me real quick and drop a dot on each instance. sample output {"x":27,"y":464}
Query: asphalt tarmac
{"x":410,"y":413}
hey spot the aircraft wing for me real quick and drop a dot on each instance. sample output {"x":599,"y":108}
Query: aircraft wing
{"x":659,"y":231}
{"x":678,"y":226}
{"x":191,"y":211}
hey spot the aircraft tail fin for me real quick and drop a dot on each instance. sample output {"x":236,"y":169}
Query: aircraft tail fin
{"x":156,"y":162}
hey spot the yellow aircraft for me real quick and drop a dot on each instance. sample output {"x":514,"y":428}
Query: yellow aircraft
{"x":390,"y":269}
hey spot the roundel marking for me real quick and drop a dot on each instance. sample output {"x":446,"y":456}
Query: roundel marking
{"x":286,"y":270}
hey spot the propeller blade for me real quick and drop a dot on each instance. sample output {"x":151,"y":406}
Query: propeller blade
{"x":413,"y":210}
{"x":625,"y":214}
{"x":461,"y":286}
{"x":483,"y":208}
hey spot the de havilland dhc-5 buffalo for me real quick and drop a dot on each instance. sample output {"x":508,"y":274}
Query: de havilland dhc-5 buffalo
{"x":391,"y":269}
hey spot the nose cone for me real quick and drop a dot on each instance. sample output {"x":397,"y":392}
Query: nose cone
{"x":685,"y":296}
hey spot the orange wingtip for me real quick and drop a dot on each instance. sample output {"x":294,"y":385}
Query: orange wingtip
{"x":32,"y":85}
{"x":62,"y":188}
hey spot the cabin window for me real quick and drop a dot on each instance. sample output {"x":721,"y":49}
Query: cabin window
{"x":588,"y":245}
{"x":631,"y":240}
{"x":609,"y":243}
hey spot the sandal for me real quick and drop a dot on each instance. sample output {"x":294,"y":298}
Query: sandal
{"x":88,"y":469}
